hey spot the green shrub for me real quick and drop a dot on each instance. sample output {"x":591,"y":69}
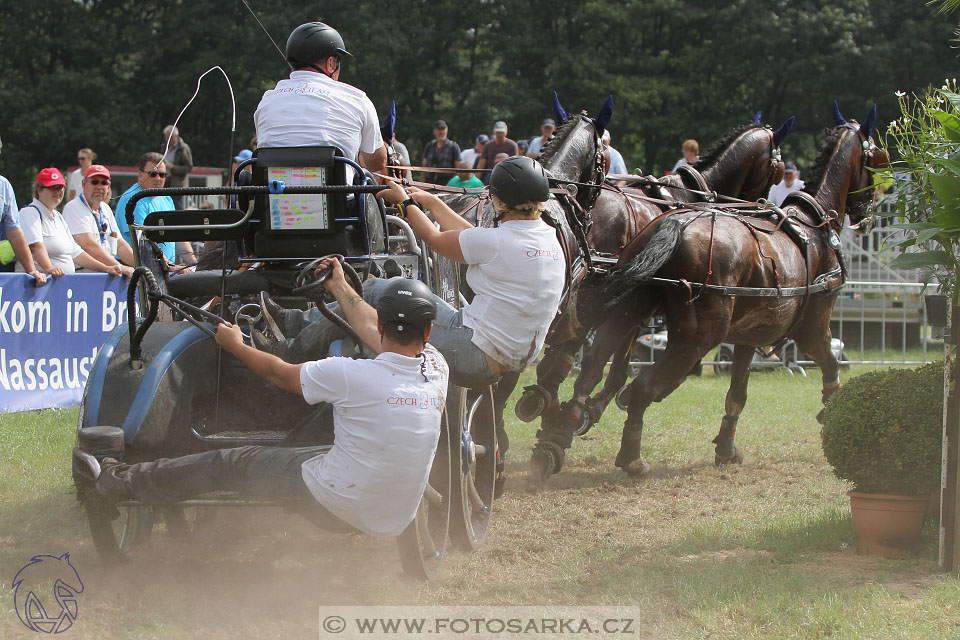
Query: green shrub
{"x":882,"y":431}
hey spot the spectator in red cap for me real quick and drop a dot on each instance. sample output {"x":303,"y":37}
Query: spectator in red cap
{"x":91,"y":221}
{"x":46,"y":232}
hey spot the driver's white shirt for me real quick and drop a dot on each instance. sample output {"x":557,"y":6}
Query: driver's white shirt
{"x":386,"y":421}
{"x":309,"y":109}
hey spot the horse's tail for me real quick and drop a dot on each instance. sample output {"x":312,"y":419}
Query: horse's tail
{"x":661,"y":247}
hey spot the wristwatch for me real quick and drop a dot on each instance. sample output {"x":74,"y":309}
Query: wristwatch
{"x":402,"y":207}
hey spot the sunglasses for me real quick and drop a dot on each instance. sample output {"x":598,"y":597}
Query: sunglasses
{"x":154,"y":174}
{"x":96,"y":182}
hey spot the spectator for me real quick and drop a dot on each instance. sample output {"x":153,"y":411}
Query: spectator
{"x":92,"y":223}
{"x":547,"y":127}
{"x":85,"y":157}
{"x":243,"y":156}
{"x":500,"y":144}
{"x":179,"y":161}
{"x":471,"y":156}
{"x":440,"y":152}
{"x":791,"y":182}
{"x":150,"y":175}
{"x":466,"y":178}
{"x":691,"y":153}
{"x":500,"y":158}
{"x":616,"y":166}
{"x":253,"y":143}
{"x":522,"y":146}
{"x":11,"y":236}
{"x":47,"y":234}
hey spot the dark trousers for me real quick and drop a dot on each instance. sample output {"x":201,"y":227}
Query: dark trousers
{"x":271,"y":473}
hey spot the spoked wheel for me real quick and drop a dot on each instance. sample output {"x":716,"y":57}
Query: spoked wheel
{"x":423,"y":544}
{"x":118,"y":533}
{"x":473,"y":494}
{"x":723,"y":361}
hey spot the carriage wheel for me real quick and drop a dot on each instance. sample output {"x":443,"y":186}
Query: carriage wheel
{"x":723,"y":361}
{"x":117,"y":534}
{"x":473,"y":494}
{"x":423,"y":544}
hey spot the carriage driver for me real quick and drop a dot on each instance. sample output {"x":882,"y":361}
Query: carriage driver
{"x":386,"y":418}
{"x":313,"y":108}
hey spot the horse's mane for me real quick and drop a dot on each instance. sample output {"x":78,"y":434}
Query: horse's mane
{"x":550,"y":149}
{"x":714,"y":152}
{"x":819,"y":169}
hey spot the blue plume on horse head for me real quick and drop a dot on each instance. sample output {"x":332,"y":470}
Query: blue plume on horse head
{"x":558,"y":109}
{"x":603,"y":118}
{"x":838,"y":118}
{"x":386,"y":129}
{"x":869,"y":121}
{"x":781,"y":133}
{"x":757,"y":117}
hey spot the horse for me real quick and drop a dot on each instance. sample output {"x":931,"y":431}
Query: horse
{"x":751,"y":276}
{"x":745,"y":162}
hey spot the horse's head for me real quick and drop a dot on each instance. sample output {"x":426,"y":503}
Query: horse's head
{"x":842,"y":174}
{"x":394,"y":159}
{"x":575,"y":153}
{"x":746,"y":162}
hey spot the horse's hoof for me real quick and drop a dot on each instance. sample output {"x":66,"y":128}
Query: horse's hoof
{"x":546,"y":460}
{"x":637,"y":468}
{"x":589,"y":416}
{"x":623,"y":398}
{"x":532,"y":403}
{"x":734,"y":458}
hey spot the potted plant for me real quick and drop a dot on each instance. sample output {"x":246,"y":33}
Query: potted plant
{"x":882,"y":431}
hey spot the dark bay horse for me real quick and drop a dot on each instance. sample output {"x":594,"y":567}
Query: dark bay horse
{"x":744,"y":163}
{"x":739,"y":276}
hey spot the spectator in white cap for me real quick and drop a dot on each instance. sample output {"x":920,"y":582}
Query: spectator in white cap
{"x":92,"y":223}
{"x":791,"y":182}
{"x":46,"y":232}
{"x":499,"y":144}
{"x":547,"y":127}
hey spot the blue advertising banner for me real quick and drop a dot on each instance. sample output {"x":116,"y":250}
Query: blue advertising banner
{"x":50,"y":336}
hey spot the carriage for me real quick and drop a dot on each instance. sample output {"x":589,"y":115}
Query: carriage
{"x":161,"y":387}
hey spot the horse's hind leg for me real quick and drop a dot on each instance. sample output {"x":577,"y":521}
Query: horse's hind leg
{"x":726,"y":450}
{"x":653,"y":384}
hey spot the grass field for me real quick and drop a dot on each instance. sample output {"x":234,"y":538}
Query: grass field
{"x":762,"y":550}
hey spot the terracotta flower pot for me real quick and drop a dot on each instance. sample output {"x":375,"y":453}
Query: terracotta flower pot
{"x":886,"y":525}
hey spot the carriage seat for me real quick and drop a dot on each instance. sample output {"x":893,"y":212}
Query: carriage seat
{"x":306,"y":226}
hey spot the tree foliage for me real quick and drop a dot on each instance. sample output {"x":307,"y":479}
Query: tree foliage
{"x":109,"y":74}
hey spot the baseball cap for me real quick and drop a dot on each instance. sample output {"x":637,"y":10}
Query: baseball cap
{"x":97,"y":170}
{"x":483,"y":138}
{"x":790,"y":168}
{"x":51,"y":176}
{"x":243,"y":156}
{"x":548,"y":123}
{"x":439,"y":124}
{"x":499,"y":125}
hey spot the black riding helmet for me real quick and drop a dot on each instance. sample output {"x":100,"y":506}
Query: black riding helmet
{"x":519,"y":179}
{"x":313,"y":42}
{"x":407,"y":303}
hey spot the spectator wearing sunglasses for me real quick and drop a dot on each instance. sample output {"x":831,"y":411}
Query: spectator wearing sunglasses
{"x":85,"y":158}
{"x":53,"y":247}
{"x":150,"y":175}
{"x":91,"y":221}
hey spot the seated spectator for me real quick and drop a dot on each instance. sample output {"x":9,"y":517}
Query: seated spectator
{"x":46,"y":232}
{"x":466,"y":178}
{"x":500,"y":157}
{"x":91,"y":221}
